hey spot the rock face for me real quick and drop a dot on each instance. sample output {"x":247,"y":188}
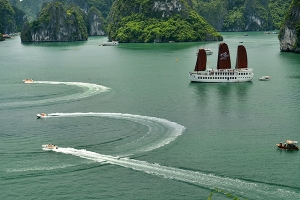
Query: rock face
{"x":158,"y":21}
{"x":11,"y":18}
{"x":289,"y":35}
{"x":168,"y":8}
{"x":7,"y":22}
{"x":96,"y":23}
{"x":56,"y":24}
{"x":243,"y":15}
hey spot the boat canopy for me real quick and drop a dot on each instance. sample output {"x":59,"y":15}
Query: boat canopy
{"x":291,"y":142}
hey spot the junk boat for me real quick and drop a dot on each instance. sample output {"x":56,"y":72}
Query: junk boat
{"x":288,"y":145}
{"x":49,"y":146}
{"x":223,"y":73}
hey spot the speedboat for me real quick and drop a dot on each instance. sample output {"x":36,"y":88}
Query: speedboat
{"x":208,"y":51}
{"x":288,"y":145}
{"x":112,"y":43}
{"x":28,"y":81}
{"x":265,"y":78}
{"x":49,"y":146}
{"x":42,"y":115}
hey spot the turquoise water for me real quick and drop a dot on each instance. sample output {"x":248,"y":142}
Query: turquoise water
{"x":130,"y":125}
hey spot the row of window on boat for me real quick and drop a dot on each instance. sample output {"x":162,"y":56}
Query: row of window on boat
{"x":227,"y":74}
{"x":215,"y":77}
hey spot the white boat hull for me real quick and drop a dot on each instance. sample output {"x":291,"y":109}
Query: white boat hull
{"x":222,"y":76}
{"x":28,"y":81}
{"x":113,"y":43}
{"x":41,"y":116}
{"x":264,"y":78}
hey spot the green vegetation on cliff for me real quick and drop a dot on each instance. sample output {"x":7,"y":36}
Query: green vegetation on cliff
{"x":102,"y":5}
{"x":243,"y":15}
{"x":30,"y":7}
{"x":33,"y":7}
{"x":7,"y":21}
{"x":278,"y":9}
{"x":142,"y":21}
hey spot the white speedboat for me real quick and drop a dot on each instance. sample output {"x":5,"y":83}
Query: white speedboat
{"x":208,"y":51}
{"x":49,"y":146}
{"x":28,"y":81}
{"x":223,"y":72}
{"x":42,"y":115}
{"x":265,"y":78}
{"x":112,"y":43}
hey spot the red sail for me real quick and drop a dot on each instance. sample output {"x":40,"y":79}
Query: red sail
{"x":241,"y":57}
{"x":201,"y":61}
{"x":223,"y":57}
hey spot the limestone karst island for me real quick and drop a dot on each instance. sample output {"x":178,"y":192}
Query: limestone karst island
{"x":135,"y":21}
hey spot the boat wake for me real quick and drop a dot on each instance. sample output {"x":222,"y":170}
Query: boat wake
{"x":41,"y":168}
{"x":247,"y":189}
{"x":160,"y":131}
{"x":88,"y":90}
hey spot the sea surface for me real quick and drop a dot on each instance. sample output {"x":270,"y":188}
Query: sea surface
{"x":130,"y":125}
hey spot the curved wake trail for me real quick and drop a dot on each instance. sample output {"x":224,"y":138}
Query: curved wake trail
{"x":251,"y":190}
{"x":89,"y":90}
{"x":161,"y":131}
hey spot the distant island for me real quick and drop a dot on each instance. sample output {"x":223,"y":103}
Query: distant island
{"x":158,"y":21}
{"x":128,"y":21}
{"x":146,"y":21}
{"x":63,"y":23}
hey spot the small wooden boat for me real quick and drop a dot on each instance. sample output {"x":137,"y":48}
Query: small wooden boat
{"x":288,"y":145}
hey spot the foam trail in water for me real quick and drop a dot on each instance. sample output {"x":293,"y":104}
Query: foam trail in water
{"x":89,"y":90}
{"x":251,"y":190}
{"x":40,"y":168}
{"x":161,"y":131}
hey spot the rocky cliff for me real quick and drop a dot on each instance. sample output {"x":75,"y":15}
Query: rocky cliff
{"x":289,"y":35}
{"x":158,"y":21}
{"x":11,"y":18}
{"x":243,"y":15}
{"x":55,"y":24}
{"x":96,"y":22}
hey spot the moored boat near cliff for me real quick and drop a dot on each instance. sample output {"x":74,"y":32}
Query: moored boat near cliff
{"x":223,"y":73}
